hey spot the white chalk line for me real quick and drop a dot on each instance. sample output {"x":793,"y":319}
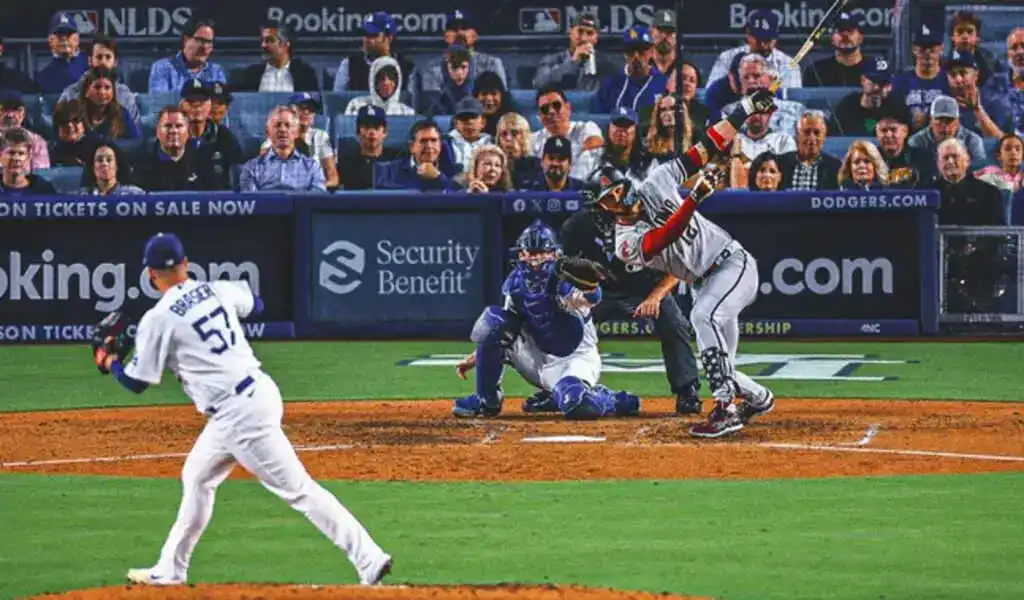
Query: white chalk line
{"x":931,"y":453}
{"x":134,"y":457}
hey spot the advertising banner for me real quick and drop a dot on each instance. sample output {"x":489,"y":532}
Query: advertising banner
{"x":313,"y":18}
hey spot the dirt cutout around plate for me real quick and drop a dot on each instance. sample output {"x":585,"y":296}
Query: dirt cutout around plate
{"x":252,"y":592}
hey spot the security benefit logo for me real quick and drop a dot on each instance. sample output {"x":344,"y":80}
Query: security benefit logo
{"x":392,"y":269}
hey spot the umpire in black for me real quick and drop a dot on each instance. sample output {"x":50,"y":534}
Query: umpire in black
{"x":590,"y":233}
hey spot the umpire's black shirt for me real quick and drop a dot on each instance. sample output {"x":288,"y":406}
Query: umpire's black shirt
{"x":580,"y":236}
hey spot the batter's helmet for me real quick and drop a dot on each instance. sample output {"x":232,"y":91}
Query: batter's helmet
{"x":617,"y":191}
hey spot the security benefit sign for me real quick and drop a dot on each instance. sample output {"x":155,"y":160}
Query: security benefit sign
{"x":370,"y":269}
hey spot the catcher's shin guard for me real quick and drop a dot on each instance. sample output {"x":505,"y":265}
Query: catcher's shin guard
{"x":577,"y":400}
{"x":719,"y":374}
{"x":489,"y":366}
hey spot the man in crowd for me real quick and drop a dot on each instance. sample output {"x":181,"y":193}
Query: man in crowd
{"x":844,"y":67}
{"x":754,"y":75}
{"x":966,"y":200}
{"x":279,"y":71}
{"x":459,"y":31}
{"x":356,"y":158}
{"x":468,"y":133}
{"x":16,"y":168}
{"x":104,"y":53}
{"x":556,"y":117}
{"x":221,"y":102}
{"x":13,"y":79}
{"x":666,"y":44}
{"x":758,"y":137}
{"x":808,"y":168}
{"x":423,"y":169}
{"x":12,"y":116}
{"x":763,"y":39}
{"x":728,"y":89}
{"x":639,"y":83}
{"x":986,"y":112}
{"x":191,"y":62}
{"x":283,"y":168}
{"x":556,"y":162}
{"x":859,"y":112}
{"x":171,"y":163}
{"x":965,"y":28}
{"x":917,"y":88}
{"x":582,"y":66}
{"x":943,"y":124}
{"x":215,"y":144}
{"x":379,"y":31}
{"x":907,"y":166}
{"x":68,"y":63}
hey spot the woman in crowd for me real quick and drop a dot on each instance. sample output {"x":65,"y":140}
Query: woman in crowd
{"x":104,"y":117}
{"x":764,"y":174}
{"x":72,"y":149}
{"x":661,"y":135}
{"x":490,"y":90}
{"x":863,"y":168}
{"x":697,"y":111}
{"x":1008,"y":174}
{"x":488,"y":172}
{"x":514,"y":140}
{"x":107,"y":172}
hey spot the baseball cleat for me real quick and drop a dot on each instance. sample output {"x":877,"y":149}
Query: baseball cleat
{"x":147,"y":577}
{"x":688,"y":400}
{"x":721,"y":422}
{"x":471,"y":407}
{"x":376,"y":573}
{"x":749,"y":409}
{"x":541,"y":402}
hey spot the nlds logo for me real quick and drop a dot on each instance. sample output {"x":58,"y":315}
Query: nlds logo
{"x":132,"y":21}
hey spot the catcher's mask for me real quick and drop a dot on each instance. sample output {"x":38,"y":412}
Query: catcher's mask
{"x":536,"y":251}
{"x":617,"y":191}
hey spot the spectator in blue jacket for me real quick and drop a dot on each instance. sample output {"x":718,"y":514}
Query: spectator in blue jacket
{"x":191,"y":62}
{"x":424,"y":169}
{"x":639,"y":83}
{"x":105,"y":118}
{"x":68,"y":63}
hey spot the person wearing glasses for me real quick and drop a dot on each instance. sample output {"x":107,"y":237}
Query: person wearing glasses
{"x":191,"y":62}
{"x":514,"y":140}
{"x":556,"y":117}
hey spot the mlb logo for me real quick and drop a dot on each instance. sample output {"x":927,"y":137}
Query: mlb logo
{"x":88,"y":21}
{"x":540,"y":20}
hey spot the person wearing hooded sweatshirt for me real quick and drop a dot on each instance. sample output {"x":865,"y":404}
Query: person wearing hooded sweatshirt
{"x":385,"y":90}
{"x":457,"y":81}
{"x":468,"y":133}
{"x":639,"y":83}
{"x":494,"y":98}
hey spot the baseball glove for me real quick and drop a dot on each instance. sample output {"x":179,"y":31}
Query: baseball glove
{"x":111,"y":337}
{"x":584,"y":274}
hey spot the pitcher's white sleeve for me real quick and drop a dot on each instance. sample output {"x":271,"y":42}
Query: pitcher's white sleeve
{"x":236,"y":294}
{"x":153,"y":339}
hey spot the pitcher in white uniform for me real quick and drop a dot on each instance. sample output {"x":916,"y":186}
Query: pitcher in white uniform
{"x":194,"y":331}
{"x":659,"y":229}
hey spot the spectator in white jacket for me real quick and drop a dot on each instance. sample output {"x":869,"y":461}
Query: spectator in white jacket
{"x":385,"y":90}
{"x":468,"y":134}
{"x":763,"y":39}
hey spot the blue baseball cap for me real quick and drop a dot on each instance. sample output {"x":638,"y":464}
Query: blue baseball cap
{"x":847,"y":21}
{"x":961,"y":59}
{"x":301,"y":98}
{"x":637,"y":35}
{"x":371,"y":115}
{"x":877,"y":69}
{"x":624,"y":113}
{"x":763,"y":24}
{"x":163,"y":251}
{"x":63,"y":22}
{"x":928,"y":35}
{"x":196,"y":87}
{"x":380,"y":22}
{"x":458,"y":19}
{"x":469,"y":106}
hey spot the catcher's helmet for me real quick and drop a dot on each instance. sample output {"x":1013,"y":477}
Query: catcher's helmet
{"x":617,"y":192}
{"x":538,"y":237}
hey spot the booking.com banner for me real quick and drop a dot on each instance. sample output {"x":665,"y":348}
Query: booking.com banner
{"x":313,"y":18}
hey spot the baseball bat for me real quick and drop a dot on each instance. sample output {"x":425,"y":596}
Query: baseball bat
{"x":826,"y":22}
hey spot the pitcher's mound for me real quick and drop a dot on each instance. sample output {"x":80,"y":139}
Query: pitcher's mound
{"x":337,"y":592}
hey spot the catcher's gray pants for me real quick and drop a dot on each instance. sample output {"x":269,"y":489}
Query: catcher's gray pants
{"x":717,"y":303}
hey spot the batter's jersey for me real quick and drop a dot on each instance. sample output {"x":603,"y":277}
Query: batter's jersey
{"x":694,"y":252}
{"x":194,"y":331}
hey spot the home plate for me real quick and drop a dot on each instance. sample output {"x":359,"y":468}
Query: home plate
{"x":562,"y":439}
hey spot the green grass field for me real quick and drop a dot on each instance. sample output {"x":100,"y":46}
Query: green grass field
{"x":922,"y":537}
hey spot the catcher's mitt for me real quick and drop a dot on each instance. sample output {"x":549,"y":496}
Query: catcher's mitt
{"x":583,"y":273}
{"x":111,"y":337}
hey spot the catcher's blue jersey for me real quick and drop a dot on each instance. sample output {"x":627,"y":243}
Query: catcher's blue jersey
{"x":554,"y":312}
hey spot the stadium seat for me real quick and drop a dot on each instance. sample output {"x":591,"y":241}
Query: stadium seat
{"x":1017,"y":209}
{"x":818,"y":98}
{"x":837,"y":146}
{"x":990,"y":147}
{"x":335,"y":103}
{"x":150,"y":104}
{"x":66,"y":180}
{"x":249,"y":111}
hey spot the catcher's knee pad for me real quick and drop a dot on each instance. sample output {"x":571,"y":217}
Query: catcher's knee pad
{"x":576,"y":399}
{"x":716,"y":366}
{"x":496,"y":325}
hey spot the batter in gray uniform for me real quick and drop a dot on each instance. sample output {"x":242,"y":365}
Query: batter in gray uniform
{"x":657,"y":228}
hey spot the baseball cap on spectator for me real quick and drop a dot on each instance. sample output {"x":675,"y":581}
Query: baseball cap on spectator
{"x":877,"y":69}
{"x":763,"y":24}
{"x":305,"y":98}
{"x":664,"y":20}
{"x":163,"y":251}
{"x":63,"y":22}
{"x":380,"y":22}
{"x":585,"y":19}
{"x":624,"y":116}
{"x":897,"y":112}
{"x":637,"y":36}
{"x":371,"y":115}
{"x":458,"y":19}
{"x":927,"y":35}
{"x":468,"y":107}
{"x":558,"y":146}
{"x":846,"y":21}
{"x":11,"y":100}
{"x":222,"y":92}
{"x":945,"y":107}
{"x":961,"y":59}
{"x":196,"y":88}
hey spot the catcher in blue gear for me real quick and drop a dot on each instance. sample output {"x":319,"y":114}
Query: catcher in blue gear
{"x":545,"y":332}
